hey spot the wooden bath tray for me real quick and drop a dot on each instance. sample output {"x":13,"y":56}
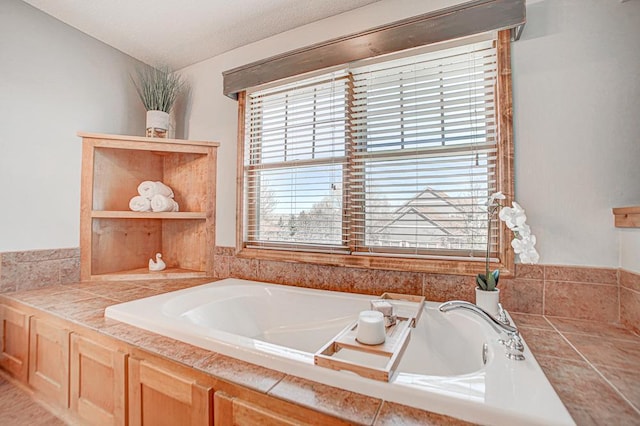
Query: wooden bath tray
{"x":377,"y":362}
{"x":405,"y":306}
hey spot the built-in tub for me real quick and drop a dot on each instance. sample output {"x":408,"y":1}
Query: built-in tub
{"x":280,"y":327}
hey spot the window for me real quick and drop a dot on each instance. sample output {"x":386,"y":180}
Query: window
{"x":383,"y":159}
{"x":295,"y":164}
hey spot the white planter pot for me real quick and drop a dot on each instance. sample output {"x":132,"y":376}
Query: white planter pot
{"x":488,"y":300}
{"x":157,"y":124}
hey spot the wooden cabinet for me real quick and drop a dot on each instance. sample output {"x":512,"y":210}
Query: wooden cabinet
{"x":159,"y":396}
{"x":230,"y":411}
{"x":90,"y":378}
{"x":117,"y":243}
{"x":14,"y":341}
{"x":98,"y":382}
{"x":241,"y":407}
{"x":49,"y":361}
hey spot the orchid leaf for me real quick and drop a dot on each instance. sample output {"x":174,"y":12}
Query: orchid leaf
{"x":496,"y":276}
{"x":491,"y":283}
{"x":480,"y":280}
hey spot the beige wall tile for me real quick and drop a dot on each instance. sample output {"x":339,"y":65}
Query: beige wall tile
{"x":530,"y":271}
{"x":522,"y":295}
{"x":630,"y":309}
{"x":580,"y":300}
{"x":440,"y":288}
{"x":580,"y":274}
{"x":629,"y":280}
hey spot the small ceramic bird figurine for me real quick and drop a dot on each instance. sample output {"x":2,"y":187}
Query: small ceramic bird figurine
{"x":158,"y":265}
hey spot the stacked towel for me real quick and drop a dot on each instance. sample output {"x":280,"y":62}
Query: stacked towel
{"x":148,"y":189}
{"x":154,"y":196}
{"x":160,"y":203}
{"x":140,"y":204}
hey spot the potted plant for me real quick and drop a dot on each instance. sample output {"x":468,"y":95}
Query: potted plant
{"x":523,"y":243}
{"x":158,"y":89}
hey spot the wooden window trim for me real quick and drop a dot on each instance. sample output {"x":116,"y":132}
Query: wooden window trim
{"x":461,"y":20}
{"x":455,"y":266}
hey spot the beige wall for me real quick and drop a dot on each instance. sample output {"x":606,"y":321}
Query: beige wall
{"x":577,"y":126}
{"x":54,"y":81}
{"x":576,"y":102}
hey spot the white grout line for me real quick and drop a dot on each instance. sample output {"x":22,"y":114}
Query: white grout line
{"x":636,"y":409}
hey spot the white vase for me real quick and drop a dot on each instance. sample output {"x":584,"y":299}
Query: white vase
{"x":157,"y":124}
{"x":488,"y":300}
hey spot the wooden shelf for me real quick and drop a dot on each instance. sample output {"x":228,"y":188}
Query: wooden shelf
{"x":627,"y":217}
{"x":144,"y":273}
{"x":117,"y":243}
{"x":127,"y":139}
{"x":111,"y":214}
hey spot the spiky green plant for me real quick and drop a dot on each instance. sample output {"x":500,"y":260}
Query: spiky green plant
{"x":158,"y":88}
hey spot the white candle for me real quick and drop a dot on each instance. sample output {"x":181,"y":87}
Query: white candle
{"x":370,"y":328}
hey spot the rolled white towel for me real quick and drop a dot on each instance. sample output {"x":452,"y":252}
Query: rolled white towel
{"x":160,"y":203}
{"x":148,"y":189}
{"x":140,"y":204}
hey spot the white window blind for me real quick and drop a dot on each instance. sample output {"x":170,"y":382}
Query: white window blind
{"x":294,"y":164}
{"x":394,"y":157}
{"x":424,"y":135}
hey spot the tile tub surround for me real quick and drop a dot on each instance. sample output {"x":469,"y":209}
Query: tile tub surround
{"x":630,"y":299}
{"x":27,"y":270}
{"x":576,"y":292}
{"x":594,"y":366}
{"x":600,"y":294}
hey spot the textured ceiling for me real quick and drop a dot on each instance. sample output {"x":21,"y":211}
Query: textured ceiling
{"x":182,"y":32}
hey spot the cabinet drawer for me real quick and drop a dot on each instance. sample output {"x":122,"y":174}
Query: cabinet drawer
{"x":49,"y":361}
{"x":160,"y":397}
{"x":14,"y":338}
{"x":98,"y":387}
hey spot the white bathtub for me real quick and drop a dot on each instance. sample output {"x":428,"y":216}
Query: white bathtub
{"x":280,"y":327}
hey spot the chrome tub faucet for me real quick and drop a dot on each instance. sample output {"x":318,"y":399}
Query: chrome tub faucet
{"x":513,"y":343}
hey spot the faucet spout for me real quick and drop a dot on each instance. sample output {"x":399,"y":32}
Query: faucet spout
{"x":460,"y":304}
{"x":514,"y":345}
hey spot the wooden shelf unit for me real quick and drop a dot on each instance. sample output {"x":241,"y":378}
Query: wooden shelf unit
{"x":117,"y":243}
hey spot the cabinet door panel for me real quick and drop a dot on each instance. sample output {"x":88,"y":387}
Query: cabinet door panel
{"x":14,"y":339}
{"x":49,"y":361}
{"x":161,"y":397}
{"x":97,"y":382}
{"x":231,"y":411}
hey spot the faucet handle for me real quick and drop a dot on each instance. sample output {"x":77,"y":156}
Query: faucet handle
{"x":514,"y":348}
{"x":502,"y":315}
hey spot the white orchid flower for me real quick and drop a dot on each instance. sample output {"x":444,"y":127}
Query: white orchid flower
{"x":523,"y":231}
{"x":530,"y":256}
{"x":513,"y":217}
{"x":495,"y":196}
{"x":521,"y":245}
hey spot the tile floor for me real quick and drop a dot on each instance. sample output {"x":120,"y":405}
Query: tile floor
{"x":17,"y":408}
